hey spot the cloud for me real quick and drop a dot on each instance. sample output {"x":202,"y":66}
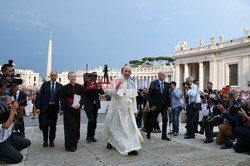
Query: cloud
{"x":36,"y":23}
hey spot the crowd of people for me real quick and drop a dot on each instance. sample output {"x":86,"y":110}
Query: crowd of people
{"x":227,"y":109}
{"x":129,"y":110}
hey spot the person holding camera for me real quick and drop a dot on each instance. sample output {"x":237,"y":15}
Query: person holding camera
{"x":243,"y":133}
{"x":92,"y":92}
{"x":21,"y":98}
{"x":6,"y":79}
{"x":211,"y":117}
{"x":231,"y":119}
{"x":193,"y":102}
{"x":11,"y":144}
{"x":175,"y":96}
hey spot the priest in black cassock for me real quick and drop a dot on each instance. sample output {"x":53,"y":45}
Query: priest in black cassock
{"x":72,"y":111}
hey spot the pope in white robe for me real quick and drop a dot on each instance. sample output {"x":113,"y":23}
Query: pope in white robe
{"x":120,"y":128}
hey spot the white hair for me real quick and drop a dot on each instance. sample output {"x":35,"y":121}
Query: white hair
{"x":126,"y":67}
{"x":5,"y":98}
{"x":189,"y":79}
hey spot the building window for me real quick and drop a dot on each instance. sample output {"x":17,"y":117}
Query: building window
{"x":34,"y":79}
{"x":233,"y":74}
{"x":169,"y":78}
{"x":60,"y":80}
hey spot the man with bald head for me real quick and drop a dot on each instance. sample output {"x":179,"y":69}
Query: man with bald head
{"x":159,"y":102}
{"x":48,"y":108}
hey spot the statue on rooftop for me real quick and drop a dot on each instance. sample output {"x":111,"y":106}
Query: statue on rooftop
{"x":221,"y":38}
{"x":201,"y":42}
{"x":212,"y":40}
{"x":246,"y":31}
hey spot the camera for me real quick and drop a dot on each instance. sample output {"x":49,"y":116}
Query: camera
{"x":90,"y":81}
{"x":89,"y":77}
{"x":10,"y":78}
{"x":216,"y":100}
{"x":4,"y":113}
{"x":239,"y":106}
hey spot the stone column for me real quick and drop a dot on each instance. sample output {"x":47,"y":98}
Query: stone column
{"x":49,"y":62}
{"x":201,"y":76}
{"x":186,"y":71}
{"x":213,"y":73}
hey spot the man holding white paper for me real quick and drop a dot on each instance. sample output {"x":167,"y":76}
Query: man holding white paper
{"x":72,"y":100}
{"x":120,"y":130}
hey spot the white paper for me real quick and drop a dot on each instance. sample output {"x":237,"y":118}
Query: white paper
{"x":76,"y":101}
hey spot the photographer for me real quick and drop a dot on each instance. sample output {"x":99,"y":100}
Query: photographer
{"x":193,"y":101}
{"x":6,"y":79}
{"x":10,"y":144}
{"x":209,"y":89}
{"x":243,"y":133}
{"x":212,"y":117}
{"x":231,"y":119}
{"x":92,"y":91}
{"x":176,"y":104}
{"x":21,"y":98}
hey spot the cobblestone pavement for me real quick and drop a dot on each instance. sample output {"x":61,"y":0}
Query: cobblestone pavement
{"x":154,"y":152}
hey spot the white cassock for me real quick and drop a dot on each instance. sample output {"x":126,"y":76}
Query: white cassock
{"x":120,"y":128}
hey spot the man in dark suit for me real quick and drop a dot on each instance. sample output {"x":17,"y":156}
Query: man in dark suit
{"x":159,"y":102}
{"x":48,"y":108}
{"x":21,"y":98}
{"x":91,"y":92}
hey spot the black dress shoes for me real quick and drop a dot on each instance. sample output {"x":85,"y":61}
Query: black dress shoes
{"x":189,"y":137}
{"x":109,"y":146}
{"x":134,"y":152}
{"x":51,"y":144}
{"x":88,"y":139}
{"x":148,"y":136}
{"x":165,"y":138}
{"x":45,"y":144}
{"x":93,"y":139}
{"x":207,"y":141}
{"x":70,"y":149}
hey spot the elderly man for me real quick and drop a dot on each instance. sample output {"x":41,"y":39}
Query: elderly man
{"x":159,"y":102}
{"x":193,"y":101}
{"x":120,"y":126}
{"x":72,"y":100}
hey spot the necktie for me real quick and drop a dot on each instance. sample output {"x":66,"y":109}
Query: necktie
{"x":187,"y":98}
{"x":52,"y":92}
{"x":162,"y":87}
{"x":15,"y":97}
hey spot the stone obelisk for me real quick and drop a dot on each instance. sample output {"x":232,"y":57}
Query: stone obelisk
{"x":49,"y":62}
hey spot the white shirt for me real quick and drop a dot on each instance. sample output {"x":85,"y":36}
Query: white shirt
{"x":193,"y":92}
{"x":5,"y":133}
{"x":17,"y":95}
{"x":161,"y":82}
{"x":205,"y":110}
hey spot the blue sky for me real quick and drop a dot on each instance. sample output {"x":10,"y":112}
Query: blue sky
{"x":111,"y":32}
